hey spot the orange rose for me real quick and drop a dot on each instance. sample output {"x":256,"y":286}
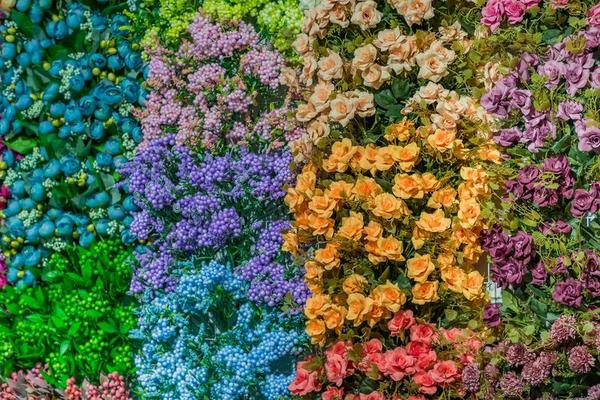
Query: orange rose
{"x":387,"y":206}
{"x":418,"y":237}
{"x":358,"y":307}
{"x":419,"y":267}
{"x":442,"y":139}
{"x":389,"y":296}
{"x":406,"y":156}
{"x":400,"y":131}
{"x":489,"y":153}
{"x":315,"y":328}
{"x":293,"y":199}
{"x":442,"y":198}
{"x":425,"y":292}
{"x":434,"y":222}
{"x":320,"y":225}
{"x":368,"y":158}
{"x":429,"y":182}
{"x":352,"y":226}
{"x":328,"y":256}
{"x":388,"y":248}
{"x":454,"y":278}
{"x":384,"y":159}
{"x":334,"y":317}
{"x":322,"y":205}
{"x":341,"y":154}
{"x":446,"y":260}
{"x":468,"y":212}
{"x":354,"y":284}
{"x":290,"y":242}
{"x":376,"y":314}
{"x":366,"y":188}
{"x":312,"y":270}
{"x":473,"y":285}
{"x":305,"y":183}
{"x":373,"y":231}
{"x":408,"y":186}
{"x":316,"y":305}
{"x":339,"y":190}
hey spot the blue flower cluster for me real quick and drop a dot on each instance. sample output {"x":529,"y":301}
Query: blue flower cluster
{"x":205,"y":339}
{"x":69,"y":93}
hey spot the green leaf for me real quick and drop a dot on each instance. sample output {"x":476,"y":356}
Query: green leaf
{"x":108,"y":327}
{"x":509,"y":302}
{"x":58,"y":52}
{"x":74,"y":329}
{"x":93,"y":314}
{"x":24,"y":23}
{"x":402,"y":88}
{"x":64,"y":346}
{"x":22,"y":145}
{"x":385,"y":99}
{"x":30,"y":301}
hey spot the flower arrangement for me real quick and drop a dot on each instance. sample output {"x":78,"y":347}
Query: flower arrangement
{"x":66,"y":111}
{"x":78,"y":322}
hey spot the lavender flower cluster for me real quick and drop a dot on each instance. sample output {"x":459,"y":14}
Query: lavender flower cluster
{"x":214,"y":88}
{"x":228,"y":206}
{"x":566,"y":69}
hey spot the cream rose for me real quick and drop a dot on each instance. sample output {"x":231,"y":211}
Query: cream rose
{"x":342,"y":109}
{"x":302,"y":44}
{"x":387,"y":38}
{"x":450,"y":33}
{"x":414,"y":11}
{"x":320,"y":96}
{"x":434,"y":62}
{"x":402,"y":54}
{"x":363,"y":102}
{"x":443,"y":121}
{"x":376,"y":76}
{"x":364,"y":57}
{"x":318,"y":129}
{"x":305,"y":112}
{"x":338,"y":16}
{"x":308,"y":69}
{"x":431,"y":92}
{"x":366,"y":14}
{"x":330,"y":67}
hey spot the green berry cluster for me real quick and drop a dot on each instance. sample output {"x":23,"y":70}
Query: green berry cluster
{"x":77,"y":321}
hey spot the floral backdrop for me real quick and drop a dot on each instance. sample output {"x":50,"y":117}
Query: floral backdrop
{"x":315,"y":199}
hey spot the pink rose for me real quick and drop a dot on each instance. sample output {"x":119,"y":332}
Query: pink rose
{"x":371,"y":355}
{"x":593,"y":15}
{"x":422,"y":333}
{"x":515,"y":10}
{"x":336,"y":368}
{"x":340,"y":348}
{"x":426,"y":360}
{"x":371,"y":396}
{"x":492,"y":13}
{"x":402,"y":320}
{"x":333,"y":393}
{"x":556,"y":4}
{"x":444,"y":372}
{"x":451,"y":335}
{"x":425,"y":382}
{"x":399,"y":364}
{"x":416,"y":398}
{"x":306,"y":381}
{"x":372,"y":346}
{"x":417,"y":348}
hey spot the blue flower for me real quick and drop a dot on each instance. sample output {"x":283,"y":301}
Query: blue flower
{"x":131,"y":90}
{"x":104,"y":160}
{"x":97,"y":130}
{"x":9,"y":51}
{"x":37,"y":192}
{"x":97,"y":61}
{"x":114,"y":63}
{"x":87,"y":105}
{"x":69,"y":165}
{"x":46,"y":229}
{"x":73,"y":113}
{"x":106,"y":92}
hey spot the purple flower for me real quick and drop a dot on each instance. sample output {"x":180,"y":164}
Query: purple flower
{"x":553,"y":70}
{"x":580,"y":360}
{"x":544,"y":197}
{"x":577,"y":77}
{"x":518,"y":354}
{"x":470,"y":377}
{"x":491,"y":315}
{"x":539,"y":274}
{"x":589,"y":139}
{"x":595,"y":78}
{"x":523,"y":246}
{"x":508,"y":137}
{"x":563,"y":329}
{"x":527,"y":175}
{"x":527,"y":61}
{"x":498,"y":100}
{"x":555,"y":227}
{"x":560,"y":267}
{"x":511,"y":384}
{"x":496,"y":243}
{"x":537,"y":371}
{"x":569,"y":110}
{"x":568,"y":292}
{"x":583,"y":202}
{"x":556,"y":164}
{"x":521,"y":99}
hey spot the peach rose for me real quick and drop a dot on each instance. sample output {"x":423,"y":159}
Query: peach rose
{"x":330,"y":67}
{"x":408,"y":186}
{"x":320,"y":96}
{"x":290,"y":242}
{"x":363,"y":102}
{"x":309,"y":66}
{"x":366,"y":188}
{"x":468,"y":212}
{"x":375,"y":76}
{"x":306,"y":381}
{"x":414,"y":11}
{"x":366,"y":15}
{"x":358,"y":307}
{"x":402,"y":54}
{"x":342,"y":109}
{"x":373,"y":231}
{"x":442,"y":139}
{"x":429,"y":182}
{"x":305,"y":112}
{"x":400,"y":131}
{"x":328,"y":256}
{"x":320,"y":225}
{"x":302,"y":44}
{"x":419,"y":267}
{"x":368,"y":157}
{"x":341,"y":154}
{"x":293,"y":199}
{"x":388,"y":296}
{"x":454,"y":278}
{"x":443,"y":121}
{"x":431,"y":92}
{"x":387,"y":38}
{"x":312,"y":270}
{"x":337,"y":15}
{"x":364,"y":57}
{"x":444,"y":197}
{"x":306,"y":181}
{"x":339,"y":190}
{"x":352,"y":226}
{"x":354,"y":284}
{"x":406,"y":156}
{"x":322,"y":205}
{"x":318,"y":129}
{"x":385,"y":205}
{"x":433,"y":62}
{"x":425,"y":292}
{"x":433,"y":222}
{"x":472,"y":288}
{"x":452,"y":32}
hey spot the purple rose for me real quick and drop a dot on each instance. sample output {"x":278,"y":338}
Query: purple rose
{"x":539,"y":274}
{"x":491,"y":315}
{"x":592,"y":285}
{"x":497,"y":100}
{"x":560,"y":267}
{"x":567,"y":186}
{"x":527,"y":61}
{"x":595,"y":78}
{"x":569,"y":110}
{"x":582,"y":203}
{"x":553,"y":70}
{"x":555,"y":227}
{"x":568,"y":292}
{"x":556,"y":164}
{"x":529,"y":174}
{"x":496,"y":243}
{"x":521,"y":99}
{"x":516,"y":189}
{"x":544,"y":197}
{"x":508,"y":137}
{"x":510,"y":273}
{"x":577,"y":77}
{"x":523,"y":246}
{"x":589,"y":139}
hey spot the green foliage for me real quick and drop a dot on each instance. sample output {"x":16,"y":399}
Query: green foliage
{"x":77,"y":321}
